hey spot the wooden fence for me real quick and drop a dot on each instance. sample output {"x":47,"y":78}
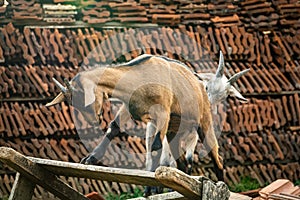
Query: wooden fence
{"x":44,"y":172}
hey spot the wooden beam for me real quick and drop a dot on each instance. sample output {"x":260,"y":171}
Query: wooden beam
{"x":179,"y":181}
{"x":131,"y":176}
{"x":191,"y":188}
{"x":22,"y":189}
{"x":38,"y":175}
{"x":44,"y":172}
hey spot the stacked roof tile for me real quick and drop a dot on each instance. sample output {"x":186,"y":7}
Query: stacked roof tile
{"x":279,"y":189}
{"x":21,"y":9}
{"x":254,"y":14}
{"x":260,"y":139}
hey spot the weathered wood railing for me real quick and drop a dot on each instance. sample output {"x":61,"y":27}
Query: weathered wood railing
{"x":44,"y":172}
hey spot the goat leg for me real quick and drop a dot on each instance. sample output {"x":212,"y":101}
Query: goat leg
{"x":98,"y":152}
{"x":113,"y":130}
{"x":153,"y":147}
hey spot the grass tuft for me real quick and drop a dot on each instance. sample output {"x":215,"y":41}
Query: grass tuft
{"x":247,"y":183}
{"x":136,"y":193}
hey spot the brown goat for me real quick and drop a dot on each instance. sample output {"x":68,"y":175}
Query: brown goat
{"x":151,"y":88}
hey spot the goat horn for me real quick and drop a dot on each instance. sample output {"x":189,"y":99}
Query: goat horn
{"x":220,"y":70}
{"x":58,"y":99}
{"x":235,"y":77}
{"x":61,"y":87}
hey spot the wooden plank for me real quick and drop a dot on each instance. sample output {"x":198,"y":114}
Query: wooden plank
{"x":131,"y":176}
{"x":179,"y":181}
{"x":44,"y":171}
{"x":37,"y":174}
{"x":22,"y":189}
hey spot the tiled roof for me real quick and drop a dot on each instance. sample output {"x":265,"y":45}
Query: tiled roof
{"x":281,"y":189}
{"x":260,"y":139}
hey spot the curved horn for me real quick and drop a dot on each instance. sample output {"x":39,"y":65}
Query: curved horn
{"x":235,"y":77}
{"x":61,"y":87}
{"x":58,"y":99}
{"x":220,"y":70}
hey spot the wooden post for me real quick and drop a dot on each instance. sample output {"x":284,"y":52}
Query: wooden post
{"x":22,"y":188}
{"x":38,"y":175}
{"x":190,"y":187}
{"x":179,"y":181}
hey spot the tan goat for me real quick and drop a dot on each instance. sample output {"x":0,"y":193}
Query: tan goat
{"x":151,"y":88}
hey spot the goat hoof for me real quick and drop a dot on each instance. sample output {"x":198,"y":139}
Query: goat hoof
{"x":147,"y":191}
{"x":152,"y":190}
{"x":89,"y":160}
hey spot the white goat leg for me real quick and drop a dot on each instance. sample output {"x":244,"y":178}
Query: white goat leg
{"x":191,"y":140}
{"x":150,"y":132}
{"x":167,"y":158}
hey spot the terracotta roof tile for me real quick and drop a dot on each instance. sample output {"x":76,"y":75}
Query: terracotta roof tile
{"x":278,"y":189}
{"x":260,"y":138}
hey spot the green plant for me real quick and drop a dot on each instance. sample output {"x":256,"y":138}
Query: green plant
{"x":297,"y":182}
{"x":136,"y":193}
{"x":4,"y":198}
{"x":247,"y":183}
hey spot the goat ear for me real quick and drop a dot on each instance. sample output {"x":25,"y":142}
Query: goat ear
{"x":205,"y":76}
{"x":234,"y":93}
{"x":89,"y":93}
